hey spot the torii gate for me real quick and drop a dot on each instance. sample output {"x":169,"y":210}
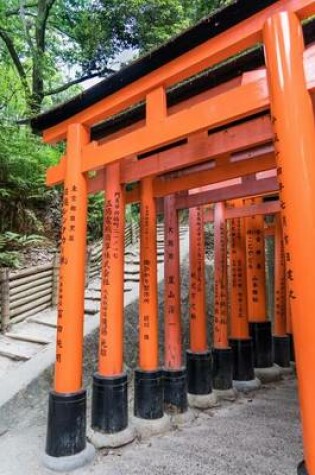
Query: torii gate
{"x":181,"y":139}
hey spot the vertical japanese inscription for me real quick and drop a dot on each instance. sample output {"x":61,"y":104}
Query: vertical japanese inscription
{"x":198,"y":325}
{"x":238,"y":270}
{"x":220,"y":278}
{"x":172,"y":314}
{"x":256,"y":273}
{"x":197,"y":272}
{"x":111,"y":256}
{"x":148,"y":321}
{"x":238,"y":281}
{"x":147,"y":270}
{"x":70,"y":197}
{"x":289,"y":274}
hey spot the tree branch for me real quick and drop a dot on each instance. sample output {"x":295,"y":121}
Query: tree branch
{"x":17,"y":10}
{"x":64,"y":87}
{"x":15,"y":58}
{"x":25,"y":25}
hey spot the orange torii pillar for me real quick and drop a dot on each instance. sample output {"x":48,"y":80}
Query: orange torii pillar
{"x":110,"y":399}
{"x":199,"y":358}
{"x":293,"y":122}
{"x":66,"y":432}
{"x":222,"y":352}
{"x":175,"y":377}
{"x":149,"y":400}
{"x":260,"y":327}
{"x":240,"y":340}
{"x":281,"y":341}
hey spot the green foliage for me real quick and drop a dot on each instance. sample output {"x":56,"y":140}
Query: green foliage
{"x":132,"y":213}
{"x":96,"y":213}
{"x":53,"y":44}
{"x":23,"y":194}
{"x":95,"y":216}
{"x":47,"y":48}
{"x":11,"y":243}
{"x":9,"y":259}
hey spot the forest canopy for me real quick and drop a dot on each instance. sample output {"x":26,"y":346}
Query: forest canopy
{"x":48,"y":49}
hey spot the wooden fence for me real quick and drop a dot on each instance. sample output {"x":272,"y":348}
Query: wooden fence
{"x":30,"y":291}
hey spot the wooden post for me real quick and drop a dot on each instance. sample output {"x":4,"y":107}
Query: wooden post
{"x":149,"y":401}
{"x":5,"y":300}
{"x":293,"y":121}
{"x":110,"y":398}
{"x":66,"y":430}
{"x":220,"y":278}
{"x":199,"y":358}
{"x":281,"y":341}
{"x":175,"y":390}
{"x":172,"y":310}
{"x":260,"y":327}
{"x":222,"y":353}
{"x":241,"y":343}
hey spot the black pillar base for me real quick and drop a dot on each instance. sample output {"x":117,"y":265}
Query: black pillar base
{"x":302,"y":469}
{"x":149,"y":397}
{"x":175,"y":391}
{"x":66,"y":429}
{"x":222,"y":368}
{"x":262,"y":344}
{"x":292,"y":352}
{"x":110,"y":403}
{"x":243,"y":360}
{"x":281,"y":351}
{"x":199,"y":372}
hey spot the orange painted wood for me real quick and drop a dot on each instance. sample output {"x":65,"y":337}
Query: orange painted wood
{"x":272,"y":207}
{"x":294,"y":128}
{"x":255,"y":260}
{"x":111,"y":336}
{"x":172,"y":301}
{"x":148,"y":298}
{"x":220,"y":335}
{"x":200,"y":147}
{"x":237,"y":277}
{"x":248,"y":99}
{"x":69,"y":346}
{"x":260,"y":187}
{"x":97,"y":183}
{"x":289,"y":329}
{"x":197,"y":296}
{"x":279,"y":324}
{"x":163,"y":187}
{"x":219,"y":48}
{"x":56,"y":174}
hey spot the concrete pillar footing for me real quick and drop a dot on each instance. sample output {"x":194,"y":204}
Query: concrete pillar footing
{"x":71,"y":462}
{"x":147,"y":427}
{"x":268,"y":375}
{"x":285,"y":371}
{"x":186,"y":417}
{"x":202,"y":401}
{"x":247,"y":386}
{"x":100,"y":440}
{"x":226,"y":394}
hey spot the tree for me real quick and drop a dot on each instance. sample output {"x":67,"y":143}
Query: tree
{"x":53,"y":45}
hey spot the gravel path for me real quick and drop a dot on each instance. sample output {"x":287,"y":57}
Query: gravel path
{"x":259,"y":435}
